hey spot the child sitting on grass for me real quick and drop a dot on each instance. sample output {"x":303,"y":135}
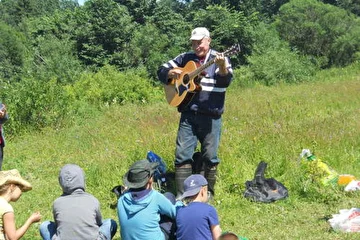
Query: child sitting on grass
{"x":76,"y":213}
{"x":197,"y":220}
{"x":11,"y":187}
{"x":141,"y":209}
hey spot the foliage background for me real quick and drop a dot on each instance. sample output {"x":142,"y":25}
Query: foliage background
{"x":55,"y":55}
{"x":80,"y":86}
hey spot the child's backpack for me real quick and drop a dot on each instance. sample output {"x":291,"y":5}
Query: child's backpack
{"x":262,"y":189}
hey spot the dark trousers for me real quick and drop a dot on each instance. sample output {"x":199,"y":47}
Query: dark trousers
{"x":1,"y":155}
{"x":167,"y":225}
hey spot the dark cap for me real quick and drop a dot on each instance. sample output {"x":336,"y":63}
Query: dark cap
{"x":193,"y":185}
{"x":139,"y":173}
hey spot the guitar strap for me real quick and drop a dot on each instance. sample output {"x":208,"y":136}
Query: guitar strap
{"x":207,"y":57}
{"x":203,"y":60}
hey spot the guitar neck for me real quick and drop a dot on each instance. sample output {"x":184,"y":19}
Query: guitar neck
{"x":201,"y":68}
{"x":234,"y":49}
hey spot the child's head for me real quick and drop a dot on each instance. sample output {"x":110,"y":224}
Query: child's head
{"x":71,"y":177}
{"x":195,"y":187}
{"x":228,"y":236}
{"x":12,"y":180}
{"x":140,"y":174}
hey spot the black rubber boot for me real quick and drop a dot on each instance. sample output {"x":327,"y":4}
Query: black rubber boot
{"x":181,"y":173}
{"x":210,"y":175}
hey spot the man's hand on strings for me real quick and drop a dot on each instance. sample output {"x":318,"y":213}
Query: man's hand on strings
{"x":220,"y":61}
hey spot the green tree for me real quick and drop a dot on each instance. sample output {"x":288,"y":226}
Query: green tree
{"x":54,"y":59}
{"x":147,"y":48}
{"x":272,"y":60}
{"x":267,"y":8}
{"x":14,"y":12}
{"x":316,"y":29}
{"x":175,"y":30}
{"x":12,"y":52}
{"x":349,"y":5}
{"x":53,"y":43}
{"x":139,"y":9}
{"x":105,"y":29}
{"x":177,"y":7}
{"x":227,"y":27}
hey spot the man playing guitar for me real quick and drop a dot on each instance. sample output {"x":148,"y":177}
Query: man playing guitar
{"x":201,"y":115}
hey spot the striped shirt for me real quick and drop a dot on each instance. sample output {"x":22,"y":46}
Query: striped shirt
{"x":210,"y":100}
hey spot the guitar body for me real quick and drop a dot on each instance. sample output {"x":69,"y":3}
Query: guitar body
{"x":181,"y":90}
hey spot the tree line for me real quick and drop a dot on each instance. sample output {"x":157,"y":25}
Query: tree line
{"x":59,"y":60}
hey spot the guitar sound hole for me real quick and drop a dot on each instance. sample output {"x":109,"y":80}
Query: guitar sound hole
{"x":186,"y":79}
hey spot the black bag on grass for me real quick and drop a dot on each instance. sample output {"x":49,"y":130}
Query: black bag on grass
{"x":262,"y":189}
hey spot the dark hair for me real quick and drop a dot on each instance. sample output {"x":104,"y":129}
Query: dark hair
{"x":4,"y":188}
{"x":228,"y":236}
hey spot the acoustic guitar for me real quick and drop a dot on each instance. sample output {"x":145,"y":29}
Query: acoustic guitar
{"x":181,"y":90}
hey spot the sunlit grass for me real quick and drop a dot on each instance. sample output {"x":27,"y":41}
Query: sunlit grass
{"x":260,"y":123}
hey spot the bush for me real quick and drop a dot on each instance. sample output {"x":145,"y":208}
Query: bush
{"x":325,"y":32}
{"x":34,"y":104}
{"x":12,"y":52}
{"x":277,"y":66}
{"x":227,"y":27}
{"x":273,"y":62}
{"x":109,"y":86}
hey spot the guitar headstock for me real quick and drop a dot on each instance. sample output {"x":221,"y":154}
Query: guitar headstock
{"x":234,"y":49}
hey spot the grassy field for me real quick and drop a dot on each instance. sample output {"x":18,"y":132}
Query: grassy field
{"x":272,"y":124}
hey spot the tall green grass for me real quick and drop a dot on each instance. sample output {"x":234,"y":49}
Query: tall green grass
{"x":260,"y":123}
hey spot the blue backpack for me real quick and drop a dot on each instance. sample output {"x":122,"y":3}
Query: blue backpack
{"x":160,"y":172}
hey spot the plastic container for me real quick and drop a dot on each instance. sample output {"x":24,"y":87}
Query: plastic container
{"x":318,"y":170}
{"x":345,"y":179}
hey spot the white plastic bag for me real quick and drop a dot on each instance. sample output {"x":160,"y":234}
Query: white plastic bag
{"x":353,"y":186}
{"x":348,"y":220}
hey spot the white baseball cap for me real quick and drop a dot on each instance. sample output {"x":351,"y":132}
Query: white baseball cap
{"x":199,"y":33}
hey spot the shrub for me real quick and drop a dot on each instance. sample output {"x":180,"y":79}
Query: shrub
{"x":272,"y":60}
{"x":323,"y":31}
{"x":109,"y":86}
{"x":34,"y":104}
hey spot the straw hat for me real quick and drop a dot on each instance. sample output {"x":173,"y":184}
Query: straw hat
{"x":13,"y":176}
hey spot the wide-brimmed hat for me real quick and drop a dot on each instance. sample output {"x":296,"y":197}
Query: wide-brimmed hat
{"x":199,"y":33}
{"x":13,"y":176}
{"x":193,"y":185}
{"x":139,"y":173}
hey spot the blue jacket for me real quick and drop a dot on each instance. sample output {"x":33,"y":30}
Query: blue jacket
{"x":210,"y":100}
{"x":139,"y":218}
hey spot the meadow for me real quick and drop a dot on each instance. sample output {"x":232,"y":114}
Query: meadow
{"x":271,"y":124}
